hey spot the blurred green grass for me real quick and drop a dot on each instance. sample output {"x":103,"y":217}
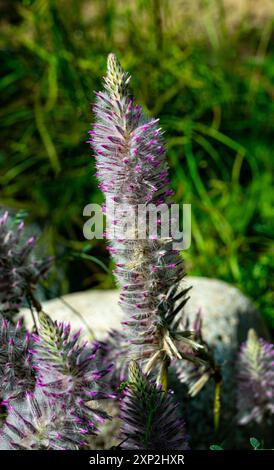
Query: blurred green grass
{"x":211,"y":86}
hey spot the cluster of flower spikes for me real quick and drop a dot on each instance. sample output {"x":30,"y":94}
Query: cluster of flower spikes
{"x":69,"y":369}
{"x":150,"y":417}
{"x":16,"y":373}
{"x":53,"y":375}
{"x":255,"y":393}
{"x":132,"y":170}
{"x":37,"y":422}
{"x":19,"y":270}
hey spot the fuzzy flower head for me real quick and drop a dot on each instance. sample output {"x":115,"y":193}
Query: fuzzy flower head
{"x":40,"y":423}
{"x":255,"y":395}
{"x":19,"y":270}
{"x":67,"y":367}
{"x":129,"y":147}
{"x":150,"y":417}
{"x":16,"y":373}
{"x":132,"y":171}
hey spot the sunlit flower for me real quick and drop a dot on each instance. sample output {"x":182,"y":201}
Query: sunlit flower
{"x":150,"y":417}
{"x":20,"y":271}
{"x":255,"y":394}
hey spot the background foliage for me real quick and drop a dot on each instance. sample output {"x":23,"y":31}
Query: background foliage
{"x":205,"y":68}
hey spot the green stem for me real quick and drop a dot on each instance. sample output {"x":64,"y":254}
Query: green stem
{"x":163,"y":375}
{"x":217,"y":405}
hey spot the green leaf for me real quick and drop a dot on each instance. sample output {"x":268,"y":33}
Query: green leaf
{"x":215,"y":447}
{"x":254,"y":443}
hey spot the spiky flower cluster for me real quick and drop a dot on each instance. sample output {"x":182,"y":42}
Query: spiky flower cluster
{"x":132,"y":169}
{"x":53,"y":375}
{"x":150,"y":418}
{"x":255,"y":394}
{"x":40,"y":423}
{"x":19,"y":270}
{"x":16,"y":373}
{"x":67,"y":367}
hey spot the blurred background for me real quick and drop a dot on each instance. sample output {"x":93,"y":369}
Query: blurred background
{"x":205,"y":67}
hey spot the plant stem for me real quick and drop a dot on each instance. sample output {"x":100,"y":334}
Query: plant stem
{"x":36,"y":304}
{"x":162,"y":378}
{"x":32,"y":314}
{"x":217,"y":405}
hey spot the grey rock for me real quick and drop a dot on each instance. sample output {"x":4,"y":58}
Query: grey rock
{"x":224,"y":308}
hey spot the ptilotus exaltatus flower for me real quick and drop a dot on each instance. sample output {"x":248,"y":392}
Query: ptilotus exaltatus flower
{"x":67,"y":367}
{"x":255,"y":394}
{"x":19,"y":270}
{"x":37,"y":422}
{"x":132,"y":170}
{"x":16,"y":373}
{"x":150,"y":418}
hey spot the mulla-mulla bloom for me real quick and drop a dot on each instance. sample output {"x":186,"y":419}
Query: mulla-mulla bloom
{"x":150,"y":417}
{"x":37,"y":422}
{"x":255,"y":395}
{"x":16,"y":372}
{"x":19,"y":270}
{"x":67,"y":367}
{"x":132,"y":170}
{"x":50,"y":387}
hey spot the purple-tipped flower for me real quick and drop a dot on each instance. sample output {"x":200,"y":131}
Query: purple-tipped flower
{"x":150,"y":418}
{"x":19,"y":270}
{"x":132,"y":170}
{"x":67,"y":367}
{"x":255,"y":394}
{"x":40,"y":423}
{"x":16,"y":373}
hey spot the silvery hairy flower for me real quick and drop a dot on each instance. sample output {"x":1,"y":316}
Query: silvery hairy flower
{"x":37,"y":422}
{"x":150,"y":418}
{"x":19,"y":270}
{"x":68,"y":367}
{"x":132,"y":170}
{"x":16,"y":373}
{"x":255,"y":394}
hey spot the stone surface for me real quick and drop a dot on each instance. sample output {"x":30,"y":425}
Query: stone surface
{"x":226,"y":311}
